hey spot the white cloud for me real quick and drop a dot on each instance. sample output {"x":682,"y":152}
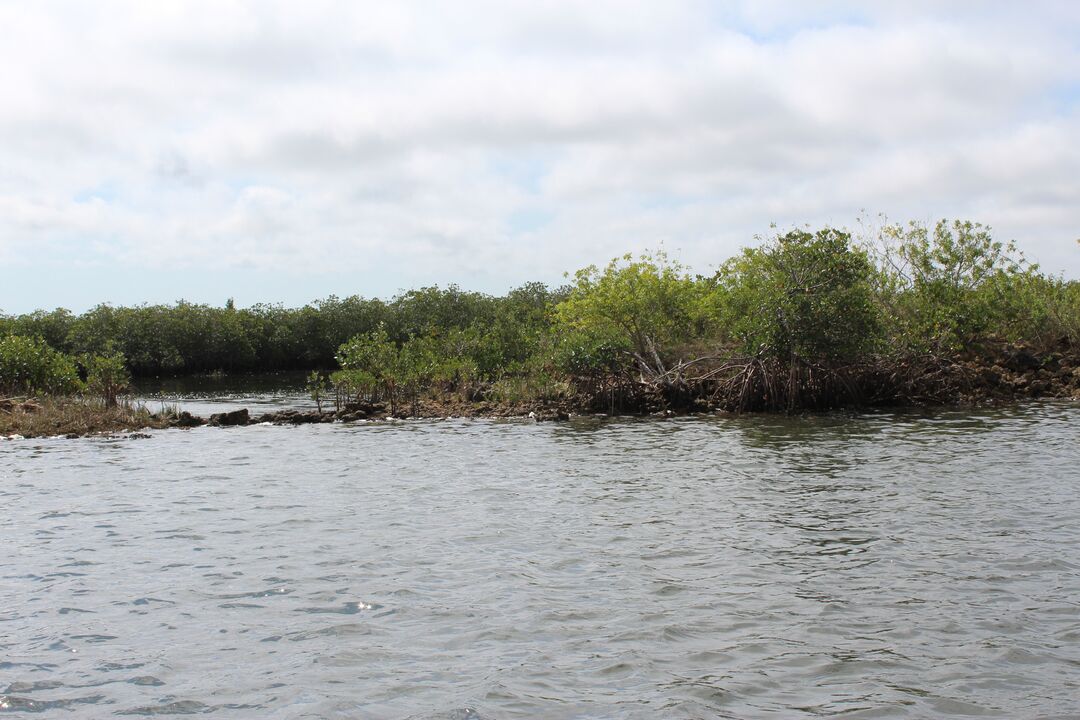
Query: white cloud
{"x":492,"y":142}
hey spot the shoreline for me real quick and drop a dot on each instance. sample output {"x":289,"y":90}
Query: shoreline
{"x":140,"y":432}
{"x":1012,"y":374}
{"x":119,"y":427}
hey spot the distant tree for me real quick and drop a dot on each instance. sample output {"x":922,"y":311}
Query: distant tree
{"x":52,"y":327}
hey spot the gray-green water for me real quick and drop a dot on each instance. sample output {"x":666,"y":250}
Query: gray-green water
{"x":908,"y":566}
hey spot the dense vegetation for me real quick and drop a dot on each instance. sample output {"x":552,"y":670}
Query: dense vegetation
{"x":186,"y":338}
{"x":29,"y":366}
{"x":805,"y":319}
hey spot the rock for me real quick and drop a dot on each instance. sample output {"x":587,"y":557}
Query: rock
{"x":270,"y":417}
{"x":308,"y":418}
{"x":234,"y":417}
{"x":352,"y":416}
{"x":549,"y":415}
{"x":1020,"y":359}
{"x":364,"y":407}
{"x":186,"y":420}
{"x":294,"y":417}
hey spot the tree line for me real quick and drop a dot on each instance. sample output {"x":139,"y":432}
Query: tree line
{"x":188,"y":338}
{"x":805,"y":318}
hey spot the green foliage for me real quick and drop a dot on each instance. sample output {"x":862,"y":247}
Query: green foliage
{"x":52,"y":327}
{"x":373,"y":364}
{"x":316,"y":387}
{"x":646,"y":307}
{"x":592,"y":352}
{"x":538,"y":382}
{"x":416,"y":311}
{"x":370,"y":362}
{"x":188,"y":338}
{"x":1064,"y":310}
{"x":106,"y":376}
{"x":520,"y":330}
{"x":1035,"y":308}
{"x":809,"y":298}
{"x":352,"y":385}
{"x":29,"y":366}
{"x":802,"y":296}
{"x":943,"y":288}
{"x":501,"y":333}
{"x":371,"y":352}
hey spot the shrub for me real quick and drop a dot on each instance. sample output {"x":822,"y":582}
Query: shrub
{"x":592,"y":352}
{"x":368,"y":361}
{"x":646,"y":307}
{"x":29,"y":366}
{"x":107,"y":376}
{"x":802,"y":296}
{"x":946,"y":287}
{"x":316,"y":387}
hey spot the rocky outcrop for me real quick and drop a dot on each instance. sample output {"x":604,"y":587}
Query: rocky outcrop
{"x":294,"y":417}
{"x":233,"y":417}
{"x":349,"y":413}
{"x":1018,"y":372}
{"x":187,"y":420}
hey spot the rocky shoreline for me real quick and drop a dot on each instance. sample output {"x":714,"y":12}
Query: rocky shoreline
{"x":990,"y":376}
{"x":428,"y":409}
{"x":1012,"y":374}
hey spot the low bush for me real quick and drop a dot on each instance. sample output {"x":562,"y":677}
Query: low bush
{"x":28,"y":366}
{"x":801,"y":297}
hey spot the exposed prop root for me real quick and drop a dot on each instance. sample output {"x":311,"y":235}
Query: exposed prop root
{"x":757,"y":384}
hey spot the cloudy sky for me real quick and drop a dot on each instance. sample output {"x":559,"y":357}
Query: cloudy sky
{"x":285,"y":151}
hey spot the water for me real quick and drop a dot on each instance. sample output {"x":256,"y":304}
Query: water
{"x":907,"y":566}
{"x":203,"y":395}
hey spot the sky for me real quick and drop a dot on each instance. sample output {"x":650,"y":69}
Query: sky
{"x":282,"y":152}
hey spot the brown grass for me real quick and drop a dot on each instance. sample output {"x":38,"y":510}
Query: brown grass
{"x":38,"y":417}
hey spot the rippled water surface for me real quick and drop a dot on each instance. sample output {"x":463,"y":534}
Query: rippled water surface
{"x":879,"y":566}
